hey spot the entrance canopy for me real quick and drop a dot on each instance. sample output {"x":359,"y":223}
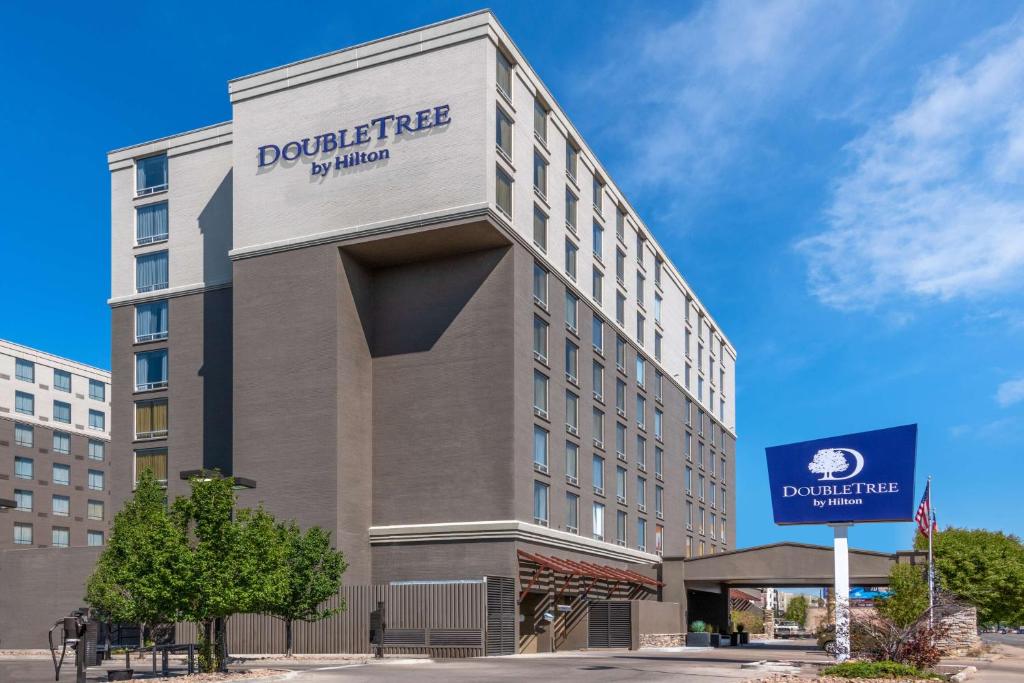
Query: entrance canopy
{"x":783,"y":564}
{"x":578,"y":569}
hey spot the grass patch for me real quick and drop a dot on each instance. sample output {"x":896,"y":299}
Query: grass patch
{"x":876,"y":670}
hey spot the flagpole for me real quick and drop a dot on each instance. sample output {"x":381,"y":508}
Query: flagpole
{"x":931,"y":565}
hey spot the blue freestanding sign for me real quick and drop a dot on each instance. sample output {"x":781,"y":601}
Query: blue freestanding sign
{"x":863,"y":477}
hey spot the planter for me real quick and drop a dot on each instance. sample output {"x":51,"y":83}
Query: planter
{"x":716,"y":640}
{"x":744,"y":638}
{"x":120,"y":674}
{"x":734,"y":638}
{"x":698,"y":640}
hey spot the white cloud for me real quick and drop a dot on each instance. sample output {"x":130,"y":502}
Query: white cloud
{"x":1010,"y":392}
{"x":932,"y":206}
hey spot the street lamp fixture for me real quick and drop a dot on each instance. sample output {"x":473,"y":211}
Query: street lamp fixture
{"x":208,"y":475}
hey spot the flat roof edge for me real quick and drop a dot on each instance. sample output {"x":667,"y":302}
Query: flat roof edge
{"x":114,"y":154}
{"x":6,"y":344}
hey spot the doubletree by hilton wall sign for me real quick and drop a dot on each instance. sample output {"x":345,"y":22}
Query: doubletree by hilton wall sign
{"x":863,"y":477}
{"x":364,"y":143}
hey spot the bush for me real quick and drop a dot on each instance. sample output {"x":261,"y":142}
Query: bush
{"x":884,"y":669}
{"x":697,"y":626}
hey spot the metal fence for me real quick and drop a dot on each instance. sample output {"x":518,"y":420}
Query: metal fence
{"x":439,"y":619}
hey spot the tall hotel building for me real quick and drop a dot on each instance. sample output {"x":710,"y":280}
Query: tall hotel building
{"x":54,"y":451}
{"x":398,"y":290}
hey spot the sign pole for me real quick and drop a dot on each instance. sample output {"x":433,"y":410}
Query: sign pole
{"x":931,"y":565}
{"x":842,"y":590}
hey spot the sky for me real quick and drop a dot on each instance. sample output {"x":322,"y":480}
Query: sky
{"x":841,"y":184}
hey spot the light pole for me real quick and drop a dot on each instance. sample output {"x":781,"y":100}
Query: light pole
{"x":240,"y":483}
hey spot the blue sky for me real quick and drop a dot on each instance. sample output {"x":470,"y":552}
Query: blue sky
{"x":840,"y":182}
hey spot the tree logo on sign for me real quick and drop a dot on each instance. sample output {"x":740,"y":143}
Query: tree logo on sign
{"x":831,"y":461}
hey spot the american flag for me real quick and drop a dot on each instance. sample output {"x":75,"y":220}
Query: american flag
{"x":924,"y":513}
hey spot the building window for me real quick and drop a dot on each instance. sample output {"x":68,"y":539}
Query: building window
{"x":96,"y":449}
{"x":620,"y":224}
{"x":503,"y":132}
{"x":659,"y":462}
{"x":25,"y":370}
{"x":22,"y":500}
{"x":61,"y":443}
{"x":154,"y":460}
{"x":620,"y":397}
{"x":97,"y":390}
{"x":620,"y":308}
{"x":641,"y":453}
{"x":540,"y":285}
{"x":620,"y":353}
{"x":597,"y":328}
{"x":540,"y":503}
{"x":503,"y":76}
{"x":61,"y":475}
{"x":712,"y":495}
{"x":597,"y":475}
{"x":572,"y":156}
{"x":23,"y":468}
{"x":151,"y":272}
{"x":540,"y":174}
{"x":572,"y":513}
{"x":722,"y":474}
{"x":686,"y":377}
{"x":151,"y":224}
{"x":688,"y":409}
{"x":640,"y":240}
{"x":97,"y":420}
{"x":150,"y":175}
{"x":659,"y":264}
{"x":620,"y":441}
{"x":689,"y":514}
{"x":151,"y":321}
{"x":540,"y":229}
{"x":688,"y":446}
{"x":713,"y":519}
{"x":640,"y":282}
{"x":598,"y":240}
{"x":598,"y":190}
{"x":22,"y":533}
{"x":540,"y":394}
{"x":598,"y":286}
{"x":620,"y":527}
{"x":657,"y":308}
{"x":540,"y":121}
{"x":571,"y":203}
{"x":659,"y":539}
{"x":150,"y":419}
{"x":659,"y":502}
{"x":24,"y":435}
{"x":598,"y":380}
{"x":657,"y":346}
{"x":62,"y":412}
{"x":620,"y":267}
{"x":503,"y":192}
{"x":620,"y":485}
{"x":597,"y":522}
{"x":700,"y":454}
{"x":702,"y":528}
{"x":572,"y":413}
{"x":571,"y":312}
{"x":689,"y":546}
{"x":641,"y":371}
{"x":688,"y":481}
{"x":150,"y":370}
{"x":640,"y":320}
{"x":572,"y":463}
{"x":24,"y":403}
{"x":659,"y":385}
{"x":61,"y":506}
{"x":598,"y":428}
{"x":641,"y":534}
{"x":95,"y":538}
{"x":571,"y":254}
{"x":540,"y":339}
{"x":60,"y":537}
{"x":659,"y":420}
{"x":540,"y":449}
{"x":62,"y":381}
{"x":95,"y":480}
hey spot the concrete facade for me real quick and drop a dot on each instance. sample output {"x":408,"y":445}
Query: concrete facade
{"x":55,"y":456}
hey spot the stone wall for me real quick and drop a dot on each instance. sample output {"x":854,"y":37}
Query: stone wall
{"x":662,"y":639}
{"x":961,"y":624}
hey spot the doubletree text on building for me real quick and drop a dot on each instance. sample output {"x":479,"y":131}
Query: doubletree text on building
{"x":379,"y":128}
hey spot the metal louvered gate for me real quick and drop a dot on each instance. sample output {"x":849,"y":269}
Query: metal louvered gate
{"x":501,"y":616}
{"x":609,"y":624}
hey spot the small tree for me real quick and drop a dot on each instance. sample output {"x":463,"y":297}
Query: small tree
{"x":796,"y":610}
{"x":909,"y":599}
{"x":136,"y":579}
{"x":828,"y":461}
{"x":312,"y":574}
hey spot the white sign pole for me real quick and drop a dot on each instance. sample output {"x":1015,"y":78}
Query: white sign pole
{"x":842,"y":590}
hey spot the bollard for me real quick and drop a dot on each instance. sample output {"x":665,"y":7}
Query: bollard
{"x":191,"y":658}
{"x":165,"y":662}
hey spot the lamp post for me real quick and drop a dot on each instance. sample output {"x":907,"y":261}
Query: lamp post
{"x":240,"y":483}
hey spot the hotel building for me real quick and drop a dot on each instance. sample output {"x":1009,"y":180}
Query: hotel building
{"x":54,"y":450}
{"x":399,"y":291}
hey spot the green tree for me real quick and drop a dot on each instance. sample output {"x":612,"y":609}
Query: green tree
{"x":985,"y":568}
{"x":312,"y":574}
{"x":136,"y":579}
{"x":230,"y":566}
{"x":909,"y":599}
{"x":796,"y":610}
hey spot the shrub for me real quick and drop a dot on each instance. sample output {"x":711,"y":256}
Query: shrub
{"x":884,"y":669}
{"x":697,"y":626}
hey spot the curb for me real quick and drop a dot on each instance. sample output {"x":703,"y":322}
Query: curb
{"x":964,"y":674}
